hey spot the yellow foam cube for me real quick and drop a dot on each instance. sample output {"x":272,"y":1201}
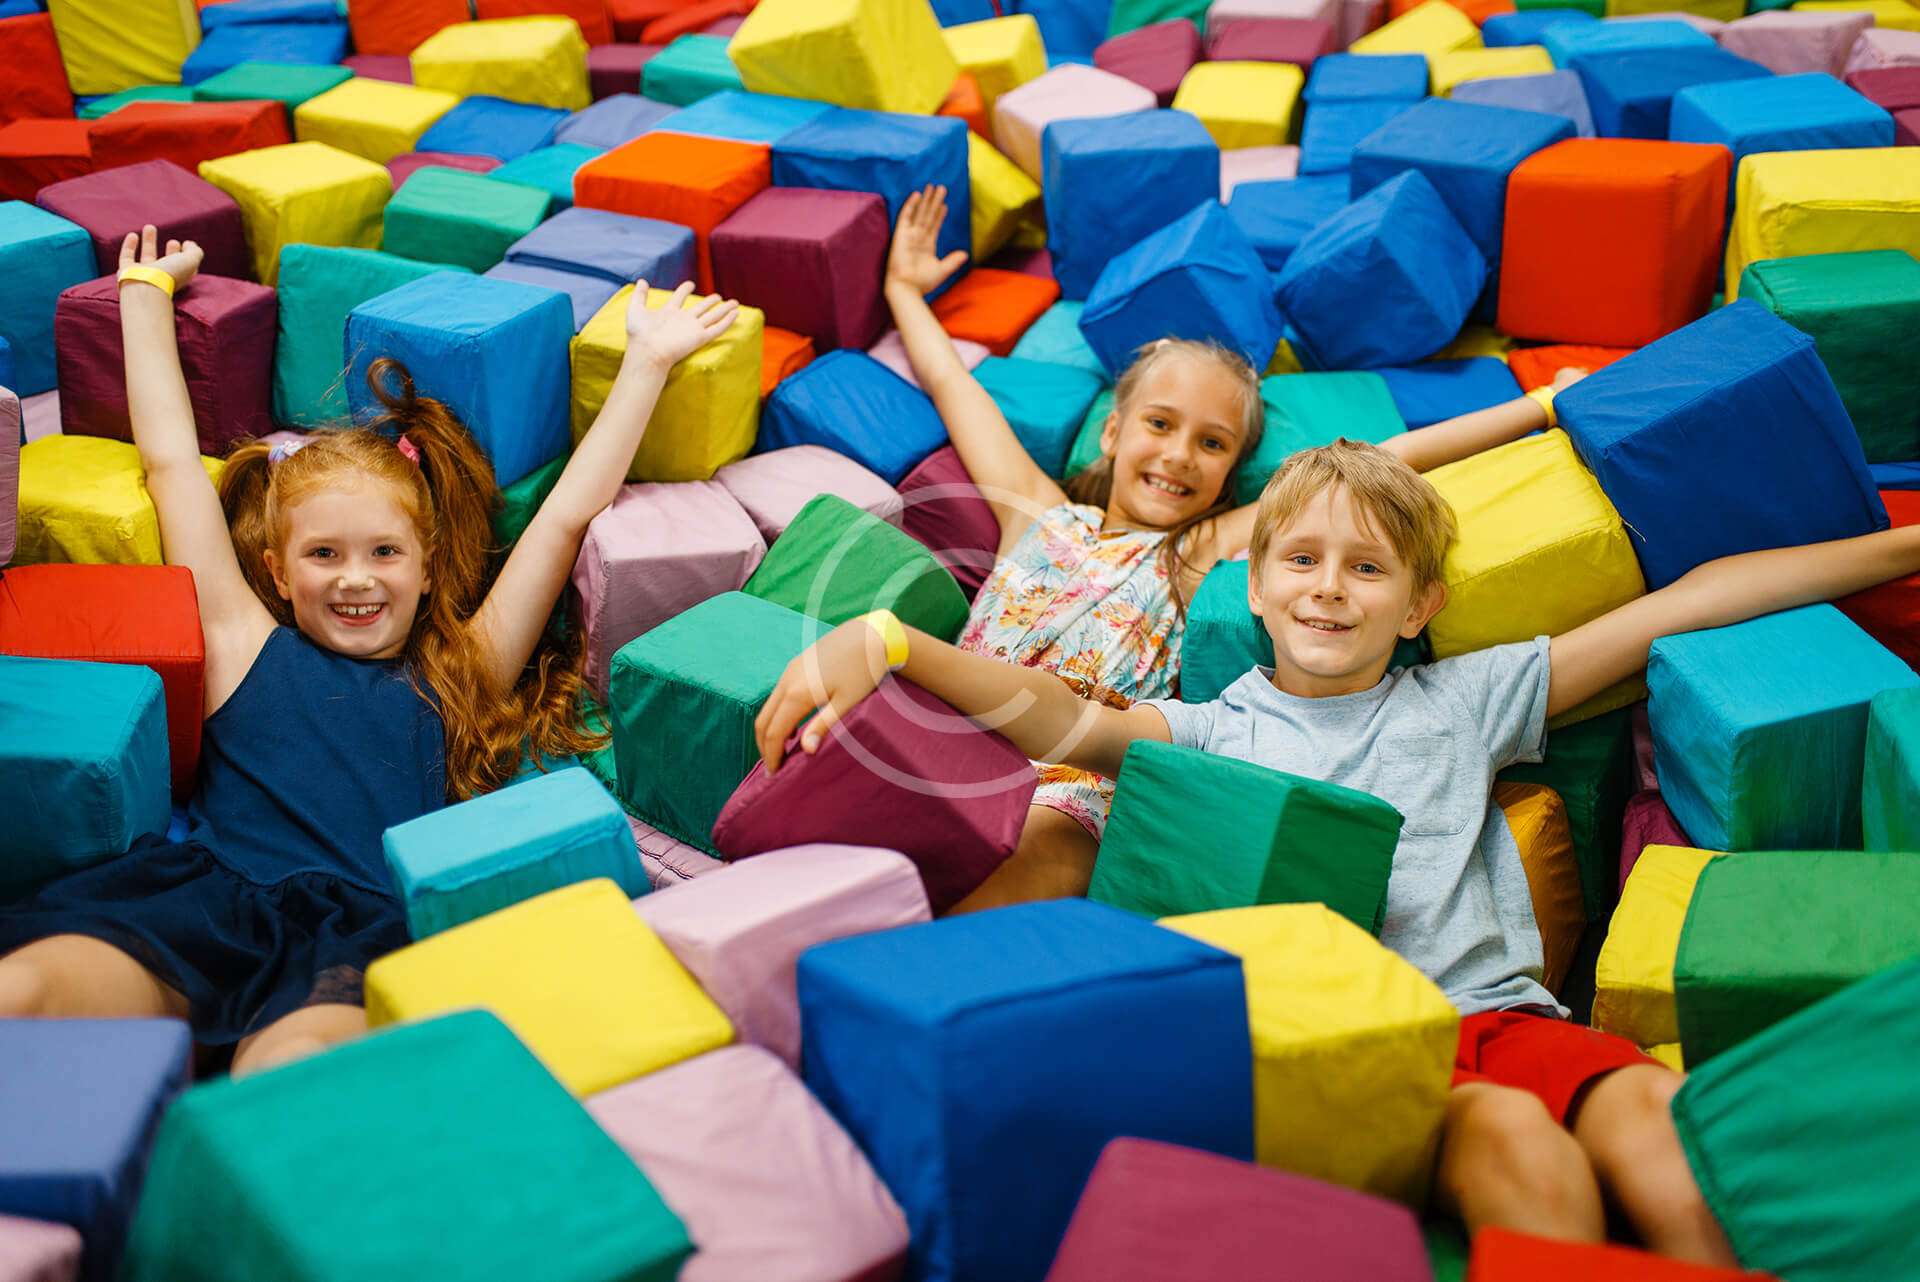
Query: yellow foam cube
{"x":574,"y":973}
{"x":1668,"y":1053}
{"x":1285,"y":361}
{"x":1433,"y":28}
{"x":1002,"y":196}
{"x":1353,"y":1047}
{"x":110,"y":45}
{"x":1633,"y":980}
{"x":1897,"y":14}
{"x":879,"y":55}
{"x":374,"y":119}
{"x":84,"y":499}
{"x":1718,"y":10}
{"x":1242,"y":104}
{"x":709,"y":412}
{"x":1476,"y":340}
{"x":1462,"y":65}
{"x":1788,"y":204}
{"x":999,"y":53}
{"x":542,"y":61}
{"x":302,"y":193}
{"x":1537,"y":818}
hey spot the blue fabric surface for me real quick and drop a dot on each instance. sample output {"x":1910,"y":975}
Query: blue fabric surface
{"x":848,"y":401}
{"x":313,"y":43}
{"x":495,"y":351}
{"x":1631,"y":94}
{"x":951,"y":13}
{"x":1111,"y":180}
{"x":1565,"y":42}
{"x":1276,"y":216}
{"x":1808,"y":112}
{"x":615,"y":247}
{"x":550,"y":169}
{"x":885,"y":153}
{"x":745,"y":117}
{"x":1505,"y":30}
{"x":1043,"y":403}
{"x":1334,"y":128}
{"x":1725,"y":436}
{"x":1895,"y":476}
{"x":1434,"y":390}
{"x":1095,"y":1023}
{"x":616,"y":119}
{"x":492,"y":127}
{"x":252,"y":12}
{"x":1199,"y":277}
{"x":6,"y":366}
{"x":1388,"y":280}
{"x":1056,"y":339}
{"x":1557,"y":93}
{"x":1350,"y":77}
{"x":41,"y":254}
{"x":1066,"y":26}
{"x":20,"y":9}
{"x":585,"y":294}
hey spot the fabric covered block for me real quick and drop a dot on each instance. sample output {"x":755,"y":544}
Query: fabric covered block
{"x":836,"y":562}
{"x":395,"y":67}
{"x":1435,"y":390}
{"x":1157,"y":57}
{"x":772,"y":488}
{"x":696,"y":182}
{"x":84,"y":499}
{"x":1465,"y":66}
{"x":302,"y":193}
{"x":668,"y":862}
{"x":371,"y":118}
{"x":1885,"y":14}
{"x":99,"y":56}
{"x":39,"y":1251}
{"x":97,"y":108}
{"x":470,"y":220}
{"x":493,"y":350}
{"x":1501,"y":1255}
{"x":1807,"y":112}
{"x":690,"y":68}
{"x":854,"y":53}
{"x":891,"y":352}
{"x":38,"y":88}
{"x":1306,"y":410}
{"x":1788,"y":43}
{"x":617,"y":249}
{"x":1631,"y":93}
{"x":1537,"y":819}
{"x":1001,"y":197}
{"x":1055,"y":339}
{"x":1574,"y":40}
{"x":1224,"y":639}
{"x":849,"y":402}
{"x":942,"y":508}
{"x":1349,"y":77}
{"x":1647,"y":823}
{"x":288,"y":84}
{"x":1299,"y":41}
{"x":494,"y":127}
{"x":188,"y":134}
{"x":11,"y":435}
{"x":41,"y":255}
{"x":743,"y":116}
{"x":1043,"y":403}
{"x":1333,"y":129}
{"x":1880,"y":47}
{"x":1256,"y":164}
{"x":812,"y":260}
{"x":1067,"y":92}
{"x":612,"y":120}
{"x":1089,"y":1023}
{"x":596,"y":25}
{"x":1891,"y":789}
{"x":302,"y":43}
{"x":1296,"y":839}
{"x":1537,"y":367}
{"x":1895,"y":88}
{"x":540,"y":60}
{"x":993,"y":307}
{"x":1866,"y":198}
{"x":403,"y":167}
{"x":1432,"y":29}
{"x":549,"y":169}
{"x":1557,"y":93}
{"x":1242,"y":104}
{"x":1001,"y":54}
{"x":181,"y":207}
{"x":1633,"y":979}
{"x":39,"y":153}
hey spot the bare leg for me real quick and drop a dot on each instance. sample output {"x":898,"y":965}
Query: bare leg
{"x":1054,"y":860}
{"x":1625,"y":1125}
{"x":77,"y":976}
{"x":1505,"y":1162}
{"x":307,"y":1031}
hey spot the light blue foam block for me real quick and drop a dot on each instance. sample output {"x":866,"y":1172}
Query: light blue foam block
{"x":616,"y":119}
{"x":1056,"y":339}
{"x":1349,"y":77}
{"x":1565,"y":41}
{"x":550,"y":169}
{"x":304,"y":43}
{"x":1043,"y":403}
{"x":1811,"y":112}
{"x":745,"y":117}
{"x":41,"y":254}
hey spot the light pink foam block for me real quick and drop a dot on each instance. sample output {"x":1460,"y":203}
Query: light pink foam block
{"x":41,"y":415}
{"x":657,"y":550}
{"x":1355,"y":18}
{"x":1256,"y":164}
{"x":1788,"y":43}
{"x":1222,"y":12}
{"x":1068,"y":92}
{"x":741,"y":931}
{"x":891,"y":351}
{"x":773,"y":487}
{"x":9,"y":473}
{"x":36,"y":1251}
{"x":668,"y":861}
{"x":1884,"y":47}
{"x":1705,"y":26}
{"x":769,"y":1187}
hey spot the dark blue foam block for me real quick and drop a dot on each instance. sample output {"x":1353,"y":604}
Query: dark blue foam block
{"x":585,"y":294}
{"x":1809,"y":112}
{"x":848,"y":401}
{"x":249,"y":12}
{"x":1565,"y":42}
{"x":492,"y":127}
{"x":1435,"y":390}
{"x":1558,"y":93}
{"x":1347,"y":77}
{"x":1895,"y":476}
{"x":310,"y":43}
{"x":1199,"y":277}
{"x":1388,"y":280}
{"x":745,"y":117}
{"x":1631,"y":94}
{"x":81,"y":1099}
{"x":1276,"y":216}
{"x":983,"y":1061}
{"x":886,"y":153}
{"x":1111,"y":180}
{"x":616,"y":119}
{"x":1073,"y":27}
{"x":1725,"y":436}
{"x":6,"y":365}
{"x":1505,"y":30}
{"x":1333,"y":129}
{"x":615,"y":247}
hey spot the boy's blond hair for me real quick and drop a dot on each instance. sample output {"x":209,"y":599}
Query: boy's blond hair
{"x":1417,"y":522}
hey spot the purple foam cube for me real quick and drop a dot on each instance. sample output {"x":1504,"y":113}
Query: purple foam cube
{"x":396,"y":67}
{"x":38,"y":1251}
{"x":113,"y":202}
{"x":10,"y":419}
{"x":666,"y":860}
{"x":812,"y":260}
{"x":613,"y":69}
{"x":1295,"y":40}
{"x":943,"y":509}
{"x":1787,"y":42}
{"x":1647,"y":822}
{"x":588,"y":294}
{"x":618,"y":248}
{"x":1155,"y":57}
{"x":773,"y":487}
{"x":612,"y":121}
{"x":404,"y":167}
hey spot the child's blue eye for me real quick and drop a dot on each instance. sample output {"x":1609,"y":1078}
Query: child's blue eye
{"x":1301,"y":558}
{"x":323,"y":552}
{"x":1160,"y":424}
{"x":1367,"y":567}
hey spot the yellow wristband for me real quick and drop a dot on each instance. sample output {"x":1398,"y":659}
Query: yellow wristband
{"x":1543,"y":397}
{"x":149,"y":275}
{"x":884,"y":623}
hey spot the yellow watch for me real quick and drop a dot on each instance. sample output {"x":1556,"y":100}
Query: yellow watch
{"x":1543,"y":397}
{"x":895,"y":636}
{"x":148,"y":275}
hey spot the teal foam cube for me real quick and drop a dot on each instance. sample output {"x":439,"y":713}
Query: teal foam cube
{"x":1044,"y":404}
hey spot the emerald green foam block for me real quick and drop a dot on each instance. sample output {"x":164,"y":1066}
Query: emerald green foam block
{"x":1598,"y":8}
{"x":1771,"y":932}
{"x":446,"y":215}
{"x":1890,"y":782}
{"x":836,"y":562}
{"x":1308,"y":410}
{"x":1130,"y":15}
{"x":684,"y":697}
{"x":548,"y":169}
{"x":435,"y":1149}
{"x":1862,"y":311}
{"x":1044,"y":403}
{"x":319,"y":285}
{"x":1801,"y":1139}
{"x":1590,"y":764}
{"x":519,"y":501}
{"x":1086,"y":446}
{"x":1271,"y":838}
{"x":1447,"y":1249}
{"x":139,"y":93}
{"x":284,"y":83}
{"x":689,"y":69}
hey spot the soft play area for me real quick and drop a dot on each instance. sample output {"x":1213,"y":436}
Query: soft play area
{"x":666,"y":1015}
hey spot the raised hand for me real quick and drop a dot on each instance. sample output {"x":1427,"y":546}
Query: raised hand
{"x":835,"y":673}
{"x":180,"y":261}
{"x":675,"y":330}
{"x":914,"y":259}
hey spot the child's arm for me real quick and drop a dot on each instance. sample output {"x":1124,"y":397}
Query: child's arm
{"x":515,"y":612}
{"x":1034,"y":709}
{"x":1013,"y":483}
{"x":1730,"y":590}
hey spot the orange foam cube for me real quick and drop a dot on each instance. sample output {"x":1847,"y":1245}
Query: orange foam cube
{"x":994,"y":308}
{"x":677,"y":178}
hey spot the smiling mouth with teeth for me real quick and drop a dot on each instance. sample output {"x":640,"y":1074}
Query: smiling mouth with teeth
{"x":1322,"y":625}
{"x":355,"y":611}
{"x":1167,"y":487}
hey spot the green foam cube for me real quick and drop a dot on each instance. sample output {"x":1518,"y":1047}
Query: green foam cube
{"x":284,"y":83}
{"x":1890,"y":780}
{"x":1590,"y":764}
{"x":519,"y":501}
{"x":443,"y":215}
{"x":112,"y":102}
{"x":689,"y":69}
{"x":1304,"y":411}
{"x":835,"y":562}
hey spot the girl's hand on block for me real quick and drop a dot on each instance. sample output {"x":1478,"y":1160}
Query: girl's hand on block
{"x":670,"y":333}
{"x":913,"y":259}
{"x":834,"y":674}
{"x":181,"y":260}
{"x":1567,"y":377}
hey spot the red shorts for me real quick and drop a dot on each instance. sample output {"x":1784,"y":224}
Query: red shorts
{"x":1550,"y":1057}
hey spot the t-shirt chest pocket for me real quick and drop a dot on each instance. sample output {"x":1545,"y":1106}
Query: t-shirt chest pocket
{"x":1419,"y":779}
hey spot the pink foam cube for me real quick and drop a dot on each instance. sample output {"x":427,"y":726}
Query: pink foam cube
{"x":943,"y":509}
{"x":1157,"y":56}
{"x":668,"y":861}
{"x":773,"y":487}
{"x":113,"y":202}
{"x":1224,"y":12}
{"x":1068,"y":92}
{"x":406,"y":166}
{"x":1787,"y":42}
{"x":1295,"y":40}
{"x":1256,"y":164}
{"x":40,"y":415}
{"x":891,"y":351}
{"x":9,"y":473}
{"x":1884,"y":47}
{"x":812,"y":260}
{"x":1906,"y":128}
{"x":37,"y":1251}
{"x":613,"y":69}
{"x":395,"y":67}
{"x":1355,"y":18}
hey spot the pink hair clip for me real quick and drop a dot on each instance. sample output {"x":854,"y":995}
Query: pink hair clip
{"x":408,"y":448}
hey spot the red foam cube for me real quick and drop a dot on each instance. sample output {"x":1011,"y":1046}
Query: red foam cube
{"x":1503,"y":1256}
{"x":1891,"y":612}
{"x":35,"y":83}
{"x":186,"y":132}
{"x":38,"y":153}
{"x":399,"y":26}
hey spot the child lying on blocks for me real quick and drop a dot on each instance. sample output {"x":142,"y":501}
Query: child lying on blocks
{"x":1546,"y":1118}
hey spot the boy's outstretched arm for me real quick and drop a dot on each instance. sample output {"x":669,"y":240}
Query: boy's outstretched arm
{"x":1730,"y":590}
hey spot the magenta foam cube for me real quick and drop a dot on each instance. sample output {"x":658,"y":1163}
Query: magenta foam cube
{"x":658,"y":549}
{"x":1154,"y":1212}
{"x":741,"y":932}
{"x":1891,"y":88}
{"x":768,"y":1184}
{"x":1295,"y":40}
{"x":811,"y":260}
{"x":406,"y":166}
{"x":613,"y":69}
{"x":669,"y":861}
{"x":394,"y":67}
{"x":113,"y":202}
{"x":1647,"y":822}
{"x":1155,"y":57}
{"x":773,"y":487}
{"x":943,"y":509}
{"x":1787,"y":42}
{"x":902,"y":771}
{"x":891,"y":351}
{"x":226,"y":333}
{"x":37,"y":1251}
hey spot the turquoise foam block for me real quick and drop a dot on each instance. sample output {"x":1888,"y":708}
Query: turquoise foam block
{"x":1305,"y":411}
{"x":549,"y":169}
{"x":744,"y":117}
{"x":41,"y":254}
{"x":1043,"y":403}
{"x":1056,"y":339}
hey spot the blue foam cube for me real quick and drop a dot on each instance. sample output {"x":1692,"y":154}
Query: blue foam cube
{"x":41,"y":254}
{"x":1435,"y":390}
{"x":1507,"y":30}
{"x":1276,"y":216}
{"x":1109,"y":181}
{"x":952,"y":13}
{"x":1556,"y":93}
{"x":613,"y":121}
{"x":614,"y":247}
{"x":1389,"y":280}
{"x":84,"y":765}
{"x":1056,"y":339}
{"x":981,"y":1063}
{"x":1725,"y":436}
{"x":6,"y":365}
{"x":1333,"y":129}
{"x":586,"y":295}
{"x":1198,"y":277}
{"x":494,"y":127}
{"x":848,"y":401}
{"x":1566,"y":41}
{"x":746,"y":117}
{"x":22,"y":8}
{"x":1350,"y":77}
{"x":496,"y":351}
{"x":303,"y":43}
{"x":1811,"y":112}
{"x":239,"y":12}
{"x":1067,"y":27}
{"x":1760,"y":729}
{"x":1631,"y":94}
{"x":1045,"y":404}
{"x":886,"y":153}
{"x":549,"y":169}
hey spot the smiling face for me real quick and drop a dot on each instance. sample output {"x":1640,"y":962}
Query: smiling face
{"x":354,"y":568}
{"x":1174,"y":442}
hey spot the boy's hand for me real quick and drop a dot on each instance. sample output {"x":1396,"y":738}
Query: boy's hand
{"x":181,"y":260}
{"x":1567,"y":377}
{"x":912,"y":260}
{"x":674,"y":331}
{"x":834,"y":674}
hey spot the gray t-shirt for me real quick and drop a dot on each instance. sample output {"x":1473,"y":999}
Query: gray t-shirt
{"x":1427,"y":741}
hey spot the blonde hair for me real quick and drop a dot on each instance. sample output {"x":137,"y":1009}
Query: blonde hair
{"x":1093,"y":484}
{"x":1416,"y":521}
{"x":450,"y":496}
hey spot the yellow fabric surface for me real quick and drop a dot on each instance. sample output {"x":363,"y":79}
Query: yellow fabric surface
{"x":1285,"y":361}
{"x":1897,"y":14}
{"x":302,"y":193}
{"x":1633,"y":981}
{"x":1353,"y":1048}
{"x":542,"y":61}
{"x":110,"y":45}
{"x":1475,"y":340}
{"x":999,"y":53}
{"x":1718,"y":10}
{"x":1462,"y":65}
{"x":1788,"y":204}
{"x":880,"y":55}
{"x":373,"y":119}
{"x":1537,"y":818}
{"x":709,"y":411}
{"x":84,"y":499}
{"x":1242,"y":104}
{"x":1433,"y":28}
{"x":1668,"y":1053}
{"x":1002,"y":196}
{"x":574,"y":973}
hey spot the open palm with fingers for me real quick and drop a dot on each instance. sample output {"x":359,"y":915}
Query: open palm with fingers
{"x":676,"y":329}
{"x":914,"y":259}
{"x":180,"y":261}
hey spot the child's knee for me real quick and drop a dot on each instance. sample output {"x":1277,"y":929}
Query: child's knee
{"x":1496,"y":1135}
{"x":1629,"y":1109}
{"x":26,"y":989}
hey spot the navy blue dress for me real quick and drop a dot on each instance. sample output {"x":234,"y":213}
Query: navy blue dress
{"x":279,"y":894}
